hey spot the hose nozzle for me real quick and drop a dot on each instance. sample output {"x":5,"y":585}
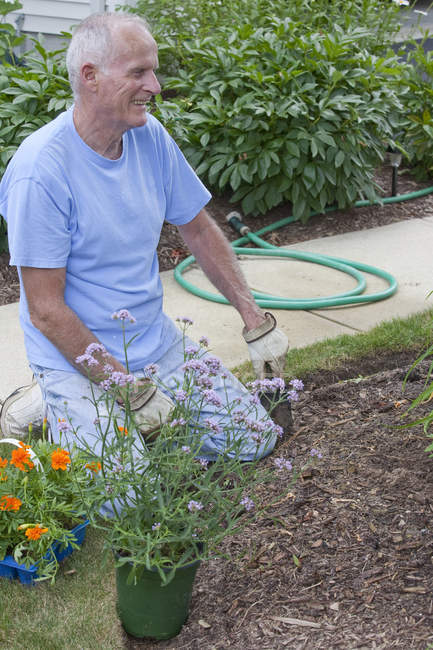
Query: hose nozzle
{"x":235,"y":220}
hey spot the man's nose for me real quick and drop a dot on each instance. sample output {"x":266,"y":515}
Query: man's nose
{"x":154,"y":85}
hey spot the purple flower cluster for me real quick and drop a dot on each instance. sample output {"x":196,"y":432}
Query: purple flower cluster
{"x":212,"y":397}
{"x":180,"y":395}
{"x":282,"y":463}
{"x":88,"y":358}
{"x":156,"y":526}
{"x":186,"y":449}
{"x":178,"y":422}
{"x":247,"y":503}
{"x":194,"y":506}
{"x":63,"y":426}
{"x":190,"y":351}
{"x":117,"y":378}
{"x":123,"y":314}
{"x":267,"y":385}
{"x":150,"y":370}
{"x":185,"y":320}
{"x":316,"y":453}
{"x":213,"y":426}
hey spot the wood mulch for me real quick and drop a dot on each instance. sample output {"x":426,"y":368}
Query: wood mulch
{"x":345,"y":557}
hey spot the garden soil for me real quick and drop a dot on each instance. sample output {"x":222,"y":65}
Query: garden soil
{"x":344,"y":558}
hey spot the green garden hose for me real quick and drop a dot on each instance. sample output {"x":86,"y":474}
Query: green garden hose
{"x":354,"y":269}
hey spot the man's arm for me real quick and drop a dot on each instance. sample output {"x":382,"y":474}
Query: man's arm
{"x":44,"y":289}
{"x":214,"y":254}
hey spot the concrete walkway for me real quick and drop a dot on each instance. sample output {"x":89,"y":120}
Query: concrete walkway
{"x":403,"y":249}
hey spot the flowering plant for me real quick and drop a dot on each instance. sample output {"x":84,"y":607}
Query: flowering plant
{"x":39,"y":501}
{"x":161,"y":503}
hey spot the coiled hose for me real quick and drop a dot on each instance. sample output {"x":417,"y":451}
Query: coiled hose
{"x":269,"y":301}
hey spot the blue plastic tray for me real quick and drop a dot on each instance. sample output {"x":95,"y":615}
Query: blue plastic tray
{"x":14,"y":571}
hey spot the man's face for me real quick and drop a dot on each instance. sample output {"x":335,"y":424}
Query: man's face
{"x":128,"y":81}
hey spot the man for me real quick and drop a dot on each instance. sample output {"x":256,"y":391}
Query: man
{"x":85,"y":198}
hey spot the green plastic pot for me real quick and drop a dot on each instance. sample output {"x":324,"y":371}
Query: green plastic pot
{"x":148,"y":609}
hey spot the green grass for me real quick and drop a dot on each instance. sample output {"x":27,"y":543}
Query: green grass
{"x":78,"y":612}
{"x":413,"y":334}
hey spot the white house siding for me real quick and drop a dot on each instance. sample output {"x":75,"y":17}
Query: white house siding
{"x":50,"y":17}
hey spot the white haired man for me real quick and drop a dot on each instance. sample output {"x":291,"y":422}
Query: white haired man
{"x":93,"y":188}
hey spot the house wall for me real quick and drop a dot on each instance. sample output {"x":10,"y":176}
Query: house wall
{"x":51,"y":17}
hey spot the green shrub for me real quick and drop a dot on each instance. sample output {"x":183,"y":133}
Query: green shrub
{"x":416,"y":92}
{"x":31,"y":95}
{"x":173,"y":24}
{"x":276,"y":114}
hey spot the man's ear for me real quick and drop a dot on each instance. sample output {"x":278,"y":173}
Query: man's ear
{"x":89,"y":76}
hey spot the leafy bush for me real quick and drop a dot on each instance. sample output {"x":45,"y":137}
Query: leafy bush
{"x":416,"y":91}
{"x":276,"y":114}
{"x":175,"y":24}
{"x":31,"y":95}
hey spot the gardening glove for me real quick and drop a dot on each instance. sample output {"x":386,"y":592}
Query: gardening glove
{"x":267,"y":346}
{"x":149,"y":406}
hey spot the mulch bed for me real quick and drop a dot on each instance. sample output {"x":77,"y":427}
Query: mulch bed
{"x":345,"y":558}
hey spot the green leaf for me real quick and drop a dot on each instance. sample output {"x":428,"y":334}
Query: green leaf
{"x":205,"y":139}
{"x":339,"y":159}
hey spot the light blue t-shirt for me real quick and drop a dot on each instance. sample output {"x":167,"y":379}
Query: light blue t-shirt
{"x":67,"y":206}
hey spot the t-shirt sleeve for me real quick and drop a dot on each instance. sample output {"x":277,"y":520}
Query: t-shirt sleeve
{"x":185,"y":193}
{"x":38,"y":227}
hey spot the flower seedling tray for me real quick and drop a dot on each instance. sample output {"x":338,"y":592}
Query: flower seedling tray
{"x":14,"y":571}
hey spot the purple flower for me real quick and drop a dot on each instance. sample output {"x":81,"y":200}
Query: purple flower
{"x":214,"y":364}
{"x":239,"y":418}
{"x":257,"y":438}
{"x":194,"y":506}
{"x":297,"y":384}
{"x":204,"y":463}
{"x":254,"y":399}
{"x":278,"y":430}
{"x":204,"y":341}
{"x":282,"y":463}
{"x":63,"y":426}
{"x":267,"y":385}
{"x":186,"y":449}
{"x":204,"y":382}
{"x":150,"y":370}
{"x":95,"y":347}
{"x":191,"y":350}
{"x":108,"y":368}
{"x":292,"y":396}
{"x":247,"y":503}
{"x":180,"y":395}
{"x":121,"y":378}
{"x":123,"y":314}
{"x":156,"y":526}
{"x":213,"y":426}
{"x":105,"y":384}
{"x":178,"y":422}
{"x":196,"y":366}
{"x":86,"y":359}
{"x":185,"y":320}
{"x":316,"y":452}
{"x":212,"y":397}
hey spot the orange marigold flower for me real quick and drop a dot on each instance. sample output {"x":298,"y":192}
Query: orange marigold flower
{"x":35,"y":532}
{"x":60,"y":459}
{"x":95,"y":467}
{"x":10,"y":503}
{"x":21,"y":457}
{"x":3,"y":462}
{"x":123,"y":430}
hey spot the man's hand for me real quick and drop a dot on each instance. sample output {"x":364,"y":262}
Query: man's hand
{"x":150,"y":407}
{"x":267,"y":345}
